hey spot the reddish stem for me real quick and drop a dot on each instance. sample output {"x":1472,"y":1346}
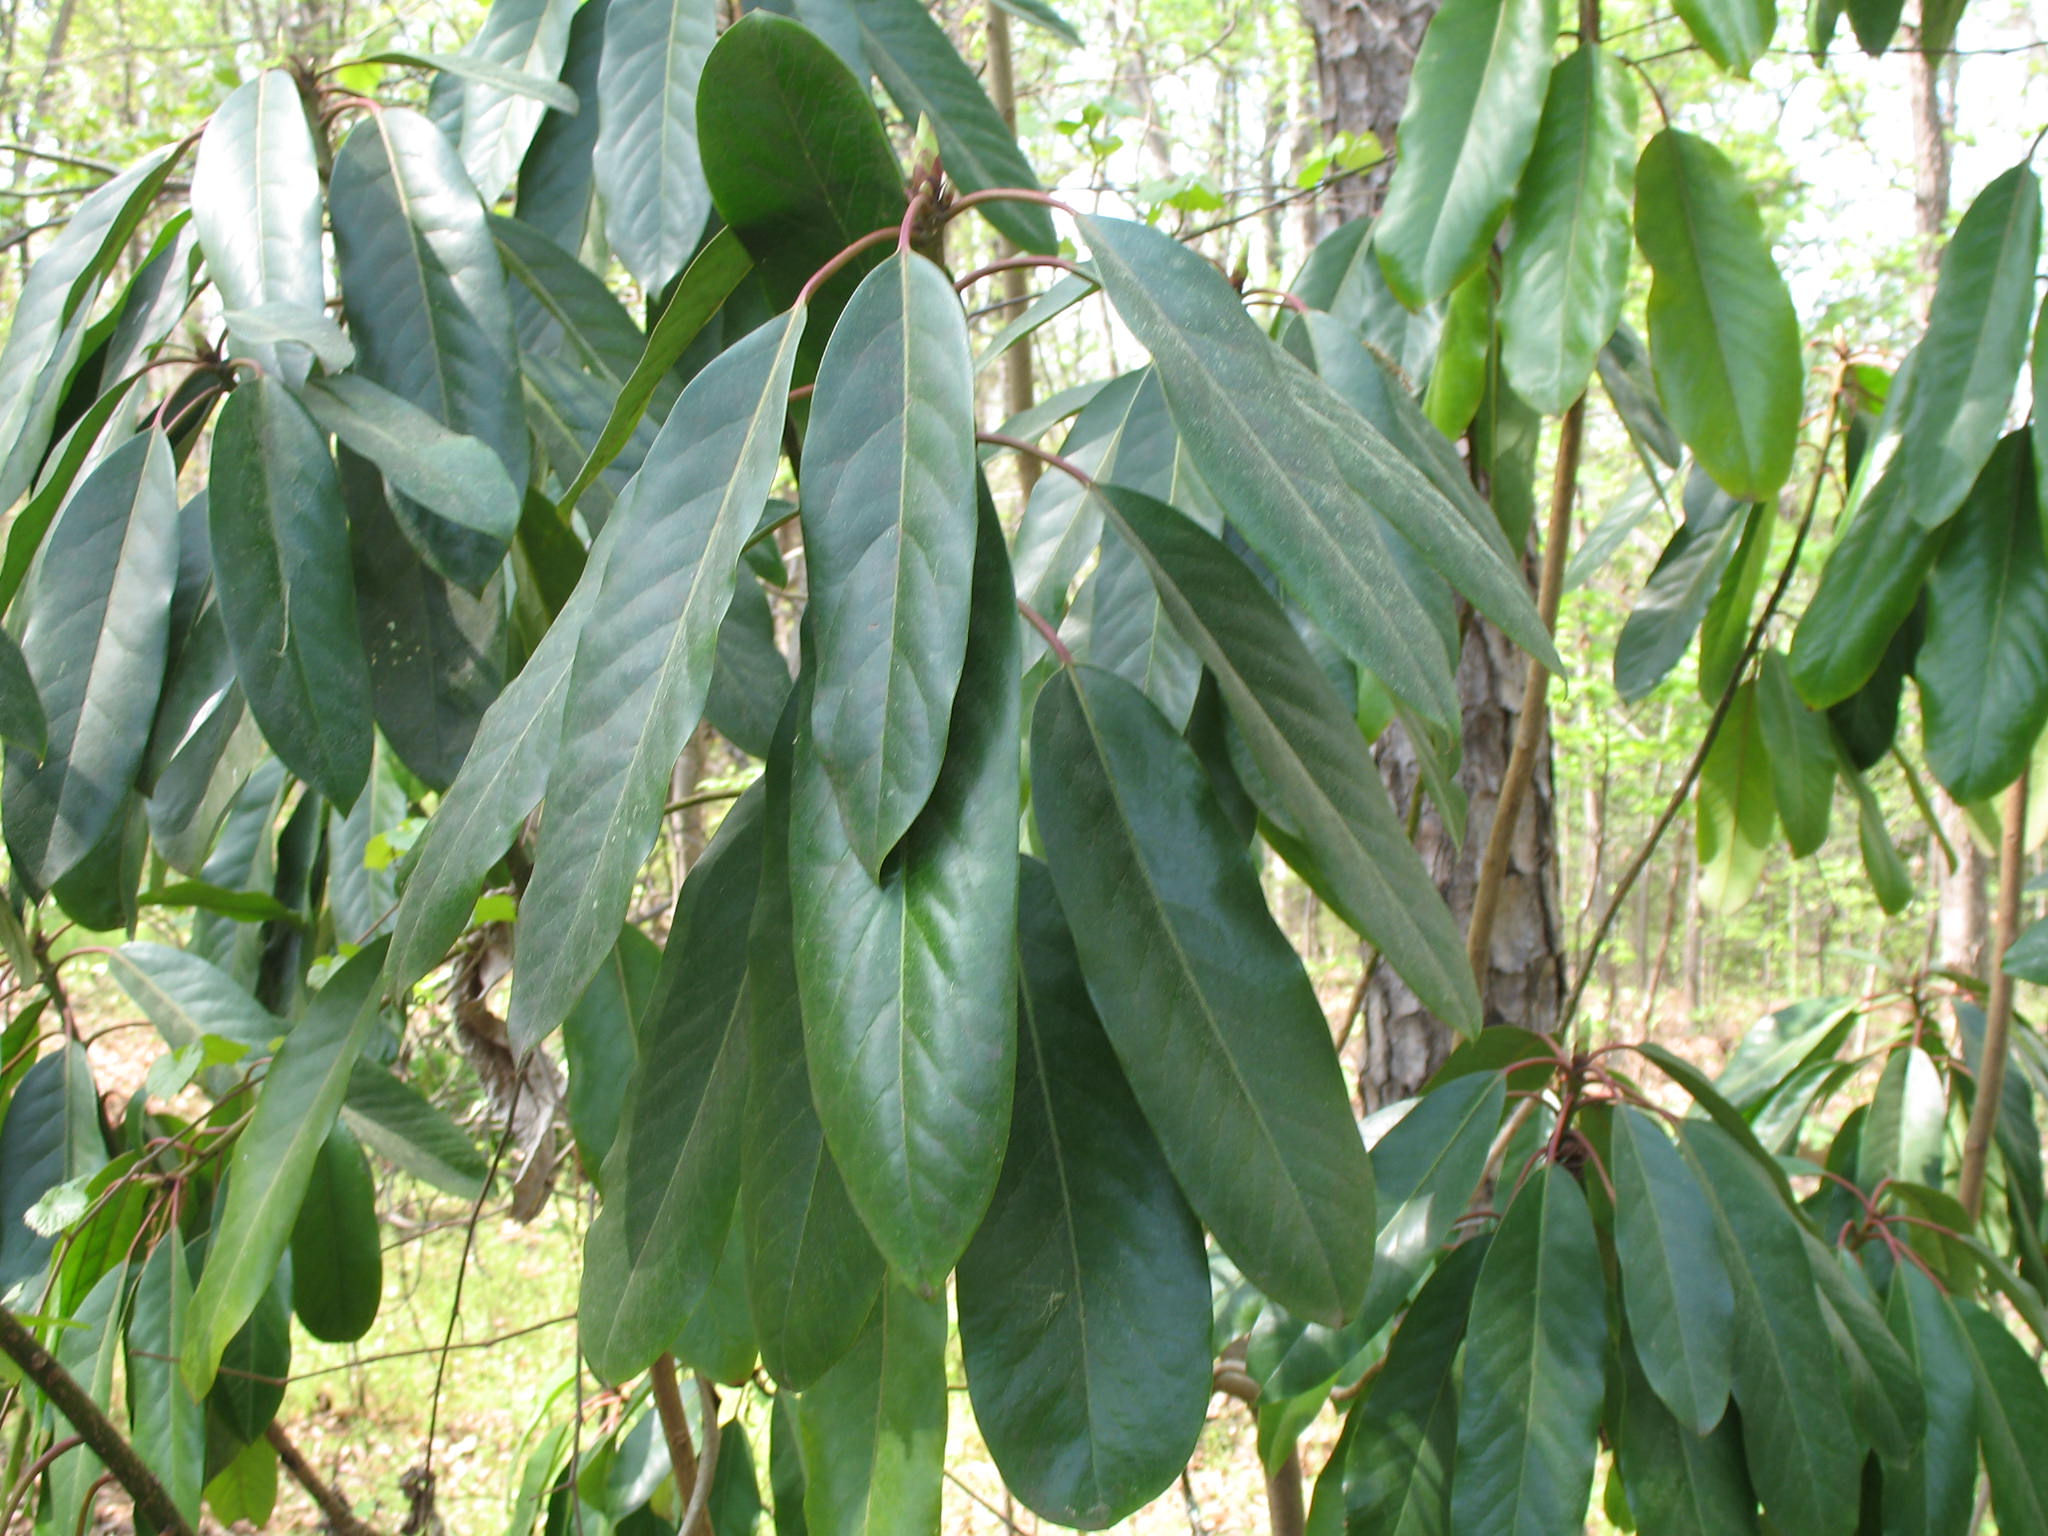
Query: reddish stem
{"x":1004,"y":440}
{"x":831,"y":268}
{"x":1051,"y":636}
{"x":1012,"y":263}
{"x":1009,"y":195}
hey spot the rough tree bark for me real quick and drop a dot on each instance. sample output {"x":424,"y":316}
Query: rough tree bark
{"x":1365,"y":51}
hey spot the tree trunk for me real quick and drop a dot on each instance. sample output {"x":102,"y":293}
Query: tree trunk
{"x":1365,"y":51}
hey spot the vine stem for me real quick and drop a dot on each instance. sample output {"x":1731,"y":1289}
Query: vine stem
{"x":1977,"y":1139}
{"x":1521,"y":769}
{"x":94,"y":1427}
{"x":1676,"y":803}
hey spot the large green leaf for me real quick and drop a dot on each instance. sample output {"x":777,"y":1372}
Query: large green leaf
{"x":874,"y":1427}
{"x":1316,"y":767}
{"x":188,"y":998}
{"x":1674,"y":601}
{"x":1681,"y":1308}
{"x":1303,"y":474}
{"x":1624,"y":369}
{"x":1948,"y":404}
{"x":674,"y":1171}
{"x":1062,"y":521}
{"x":928,"y":79}
{"x":256,"y":207}
{"x":1876,"y":22}
{"x":1086,"y":1286}
{"x":1904,"y":1131}
{"x":2012,"y":1418}
{"x":1397,"y":1471}
{"x":1801,"y":753}
{"x":643,"y":665}
{"x":1564,"y":272}
{"x":1795,"y":1421}
{"x":1734,"y":33}
{"x":908,"y":983}
{"x":1890,"y":881}
{"x":1735,"y":814}
{"x":489,"y":125}
{"x":271,"y":1167}
{"x":1983,"y":668}
{"x":337,"y":1246}
{"x":95,"y":640}
{"x":1885,"y":1399}
{"x":281,"y":578}
{"x":1867,"y":588}
{"x":598,"y":1042}
{"x":51,"y":1136}
{"x":1470,"y":123}
{"x":1932,"y":1494}
{"x":1206,"y":1002}
{"x":397,"y":1122}
{"x":1724,"y":632}
{"x":889,"y":536}
{"x":797,"y":160}
{"x":562,"y":309}
{"x":425,"y":295}
{"x":812,"y":1271}
{"x":1679,"y":1483}
{"x":749,"y":674}
{"x":648,"y":177}
{"x":168,"y":1423}
{"x":1724,"y":339}
{"x":1529,"y":1406}
{"x":557,"y":181}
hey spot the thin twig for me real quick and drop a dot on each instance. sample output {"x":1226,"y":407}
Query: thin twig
{"x":1977,"y":1140}
{"x":341,"y":1519}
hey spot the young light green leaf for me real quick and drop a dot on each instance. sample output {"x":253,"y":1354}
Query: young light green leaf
{"x":1529,"y":1406}
{"x":874,"y":1427}
{"x":1736,"y":815}
{"x":1724,"y":632}
{"x":1801,"y":753}
{"x":1734,"y":33}
{"x":1724,"y":339}
{"x":648,"y":177}
{"x":643,"y":665}
{"x":1564,"y":272}
{"x":1087,"y":1282}
{"x":1890,"y":880}
{"x":1207,"y":1005}
{"x":281,"y":578}
{"x":889,"y":532}
{"x":908,"y":983}
{"x":1471,"y":121}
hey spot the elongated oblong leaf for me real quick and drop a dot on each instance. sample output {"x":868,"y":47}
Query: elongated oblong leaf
{"x":1529,"y":1406}
{"x":51,"y":1136}
{"x":256,"y":207}
{"x":1661,"y":626}
{"x":169,"y":1424}
{"x":874,"y":1428}
{"x":1471,"y":120}
{"x":908,"y":983}
{"x":648,"y":175}
{"x":2012,"y":1414}
{"x":1206,"y":1003}
{"x":1867,"y":588}
{"x":95,"y":641}
{"x":1933,"y":1493}
{"x":336,"y":1246}
{"x":1680,"y":1483}
{"x":643,"y":665}
{"x":279,"y":534}
{"x":1087,"y":1285}
{"x":273,"y":1160}
{"x":1724,"y":339}
{"x":1563,"y":274}
{"x":889,"y":534}
{"x":1801,"y":753}
{"x":489,"y":125}
{"x":1734,"y":33}
{"x":1736,"y":815}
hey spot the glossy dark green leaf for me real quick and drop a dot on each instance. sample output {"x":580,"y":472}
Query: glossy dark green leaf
{"x":256,"y":207}
{"x":51,"y":1136}
{"x":1675,"y":599}
{"x":1205,"y":1001}
{"x":889,"y":534}
{"x":648,"y":177}
{"x":749,"y":674}
{"x":1564,"y":272}
{"x":643,"y":665}
{"x":908,"y":984}
{"x":1885,"y":1398}
{"x":337,"y":1246}
{"x":1983,"y":668}
{"x":673,"y":1172}
{"x":1087,"y":1284}
{"x":1802,"y":756}
{"x":1303,"y":473}
{"x":927,"y":78}
{"x":557,"y":181}
{"x":1890,"y":880}
{"x":1529,"y":1405}
{"x":796,"y":157}
{"x":22,"y":723}
{"x":1796,"y":1431}
{"x":1933,"y":1494}
{"x":874,"y":1427}
{"x":87,"y":1350}
{"x":561,"y":309}
{"x":490,"y":126}
{"x":812,"y":1271}
{"x":273,"y":1159}
{"x":1681,"y":1308}
{"x":1397,"y":1472}
{"x":99,"y":893}
{"x":1680,"y":1483}
{"x":254,"y":1367}
{"x":568,"y":409}
{"x":1724,"y":340}
{"x":1734,"y":33}
{"x":95,"y":640}
{"x":1471,"y":120}
{"x":1735,"y":816}
{"x":393,"y":1119}
{"x":1876,"y":22}
{"x":1315,"y":766}
{"x":281,"y":577}
{"x":423,"y":286}
{"x":1724,"y":632}
{"x":598,"y":1041}
{"x":1947,"y":406}
{"x":168,"y":1424}
{"x":2012,"y":1417}
{"x":1904,"y":1132}
{"x":1867,"y":589}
